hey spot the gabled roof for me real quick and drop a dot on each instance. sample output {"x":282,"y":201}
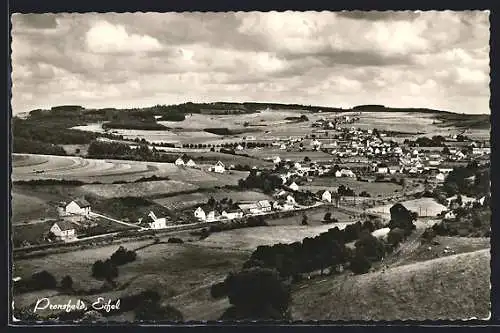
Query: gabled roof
{"x":82,"y":203}
{"x":220,"y":164}
{"x":65,"y":225}
{"x":264,"y":203}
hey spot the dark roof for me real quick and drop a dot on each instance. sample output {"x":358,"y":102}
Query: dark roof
{"x":82,"y":203}
{"x":65,"y":225}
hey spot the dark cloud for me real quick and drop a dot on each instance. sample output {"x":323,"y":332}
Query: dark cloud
{"x":433,"y":59}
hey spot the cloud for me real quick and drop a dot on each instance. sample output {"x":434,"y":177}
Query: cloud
{"x":105,"y":37}
{"x":420,"y":59}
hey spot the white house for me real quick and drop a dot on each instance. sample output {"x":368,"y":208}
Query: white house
{"x":79,"y":207}
{"x":450,"y":215}
{"x":156,"y":223}
{"x":239,"y":147}
{"x":382,"y":169}
{"x":347,"y":173}
{"x":212,"y":216}
{"x":191,"y":163}
{"x":283,"y":146}
{"x":290,"y":200}
{"x":440,"y":177}
{"x":234,"y":214}
{"x":179,"y":161}
{"x":297,"y":166}
{"x":326,"y":196}
{"x":218,"y":167}
{"x":199,"y":213}
{"x":64,"y":230}
{"x":276,"y":160}
{"x":265,"y":205}
{"x":294,"y":186}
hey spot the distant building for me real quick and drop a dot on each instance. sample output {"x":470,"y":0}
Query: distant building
{"x":191,"y":163}
{"x":294,"y":186}
{"x":382,"y":168}
{"x":79,"y":207}
{"x":64,"y":230}
{"x":290,"y":200}
{"x":156,"y":223}
{"x":265,"y":205}
{"x":276,"y":160}
{"x":232,"y":214}
{"x":179,"y":161}
{"x":212,"y":216}
{"x":440,"y":177}
{"x":450,"y":215}
{"x":326,"y":196}
{"x":199,"y":213}
{"x":218,"y":167}
{"x":239,"y":147}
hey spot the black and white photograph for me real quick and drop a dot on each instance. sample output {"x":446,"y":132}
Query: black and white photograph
{"x":220,"y":166}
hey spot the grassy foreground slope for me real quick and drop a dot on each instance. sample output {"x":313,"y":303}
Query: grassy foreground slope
{"x":454,"y":287}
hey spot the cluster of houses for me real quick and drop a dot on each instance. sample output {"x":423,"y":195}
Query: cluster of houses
{"x":184,"y":160}
{"x":72,"y":215}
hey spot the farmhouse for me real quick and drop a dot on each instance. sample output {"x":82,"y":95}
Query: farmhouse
{"x":239,"y":147}
{"x":232,"y":214}
{"x":450,"y":215}
{"x":156,"y":223}
{"x":294,"y":186}
{"x":382,"y":168}
{"x":264,"y":205}
{"x":218,"y":167}
{"x":276,"y":160}
{"x":326,"y":196}
{"x":79,"y":207}
{"x":440,"y":177}
{"x":212,"y":216}
{"x":250,"y":208}
{"x":191,"y":163}
{"x":199,"y":213}
{"x":63,"y":230}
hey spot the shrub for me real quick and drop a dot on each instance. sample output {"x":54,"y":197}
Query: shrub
{"x":106,"y":270}
{"x":67,"y":283}
{"x":122,"y":256}
{"x":175,"y":240}
{"x":44,"y":280}
{"x":360,"y":264}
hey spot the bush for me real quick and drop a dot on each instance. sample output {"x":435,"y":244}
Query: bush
{"x":67,"y":283}
{"x":44,"y":280}
{"x":122,"y":256}
{"x":360,"y":264}
{"x":175,"y":240}
{"x":395,"y":236}
{"x":106,"y":270}
{"x":327,"y":217}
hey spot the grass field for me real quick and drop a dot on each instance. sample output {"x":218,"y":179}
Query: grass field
{"x":192,"y":199}
{"x":28,"y":207}
{"x":423,"y":206}
{"x":141,"y":189}
{"x":454,"y":287}
{"x":373,"y":189}
{"x":108,"y":171}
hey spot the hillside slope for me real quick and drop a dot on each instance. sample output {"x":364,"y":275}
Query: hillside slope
{"x":453,"y":287}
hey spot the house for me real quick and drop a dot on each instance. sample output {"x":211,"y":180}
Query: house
{"x":79,"y":207}
{"x":218,"y":167}
{"x":394,"y":169}
{"x":297,"y":166}
{"x":232,"y":214}
{"x":290,"y":200}
{"x":440,"y":177}
{"x":326,"y":196}
{"x":239,"y":147}
{"x":265,"y":205}
{"x":276,"y":160}
{"x":480,"y":151}
{"x":156,"y":223}
{"x":199,"y":213}
{"x":445,"y":170}
{"x":283,"y":146}
{"x":450,"y":215}
{"x":212,"y":216}
{"x":179,"y":161}
{"x":64,"y":230}
{"x":294,"y":186}
{"x":347,"y":173}
{"x":191,"y":164}
{"x":382,"y":168}
{"x":250,"y":208}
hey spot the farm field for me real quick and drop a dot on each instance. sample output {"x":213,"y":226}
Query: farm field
{"x":250,"y":238}
{"x":188,"y":200}
{"x":28,"y":207}
{"x":314,"y":218}
{"x":374,"y":189}
{"x":423,"y":206}
{"x":108,"y":171}
{"x":454,"y":287}
{"x":141,"y":189}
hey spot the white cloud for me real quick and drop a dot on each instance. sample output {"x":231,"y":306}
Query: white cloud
{"x":105,"y":37}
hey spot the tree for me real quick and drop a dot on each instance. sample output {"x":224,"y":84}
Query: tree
{"x":255,"y":293}
{"x":307,"y":159}
{"x":360,"y":264}
{"x":44,"y":280}
{"x":304,"y":220}
{"x":395,"y":236}
{"x":402,"y":217}
{"x":327,"y":217}
{"x":67,"y":283}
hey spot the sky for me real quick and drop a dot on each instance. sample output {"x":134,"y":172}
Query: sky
{"x":341,"y":59}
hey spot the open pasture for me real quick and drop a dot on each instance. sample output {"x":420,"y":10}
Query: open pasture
{"x":182,"y":201}
{"x":141,"y":189}
{"x":108,"y":171}
{"x":373,"y":189}
{"x":29,"y":207}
